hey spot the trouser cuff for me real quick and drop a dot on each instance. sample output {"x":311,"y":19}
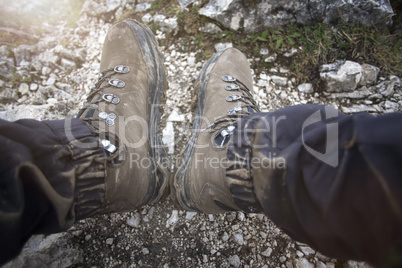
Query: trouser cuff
{"x":89,"y":161}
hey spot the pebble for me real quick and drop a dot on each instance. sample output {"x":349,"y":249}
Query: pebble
{"x":303,"y":263}
{"x":190,"y":215}
{"x":222,"y":46}
{"x":279,"y":80}
{"x":50,"y":81}
{"x":145,"y":251}
{"x":135,"y":220}
{"x":264,"y":51}
{"x":271,"y":58}
{"x":290,"y":53}
{"x":23,"y":89}
{"x":307,"y":251}
{"x":191,"y":61}
{"x":234,"y":260}
{"x":238,"y":238}
{"x":109,"y":241}
{"x":241,"y":216}
{"x":33,"y":87}
{"x":174,"y":218}
{"x":267,"y":252}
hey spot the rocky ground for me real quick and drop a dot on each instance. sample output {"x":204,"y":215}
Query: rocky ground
{"x":54,"y":71}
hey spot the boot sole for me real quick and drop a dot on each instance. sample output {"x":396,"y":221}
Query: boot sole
{"x":159,"y":178}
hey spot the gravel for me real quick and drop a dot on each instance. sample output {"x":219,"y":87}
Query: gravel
{"x":63,"y":66}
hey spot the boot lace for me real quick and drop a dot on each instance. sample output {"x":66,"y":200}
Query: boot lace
{"x":227,"y":121}
{"x":105,"y":80}
{"x":236,"y":113}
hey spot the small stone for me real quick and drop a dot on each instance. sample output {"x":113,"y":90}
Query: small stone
{"x":225,"y":236}
{"x":46,"y":70}
{"x":211,"y":217}
{"x":1,"y":83}
{"x":191,"y":61}
{"x":262,"y":83}
{"x":222,"y":46}
{"x":23,"y":89}
{"x":264,"y":51}
{"x":145,"y":251}
{"x":147,"y":18}
{"x":150,"y":213}
{"x":190,"y":215}
{"x":271,"y":58}
{"x":299,"y":253}
{"x":282,"y":259}
{"x":238,"y":238}
{"x":109,"y":241}
{"x":307,"y":251}
{"x":33,"y":87}
{"x":267,"y":252}
{"x":68,"y":65}
{"x":174,"y":218}
{"x":88,"y":237}
{"x":290,"y":53}
{"x":51,"y":81}
{"x":240,"y":216}
{"x":135,"y":220}
{"x":279,"y":80}
{"x":303,"y":263}
{"x":234,"y":260}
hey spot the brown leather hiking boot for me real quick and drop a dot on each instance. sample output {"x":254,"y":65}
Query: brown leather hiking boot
{"x":123,"y":107}
{"x":223,"y":98}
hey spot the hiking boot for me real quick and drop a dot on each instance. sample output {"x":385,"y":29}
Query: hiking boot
{"x":123,"y":107}
{"x":224,"y":97}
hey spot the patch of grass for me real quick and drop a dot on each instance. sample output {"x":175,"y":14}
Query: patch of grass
{"x":317,"y":44}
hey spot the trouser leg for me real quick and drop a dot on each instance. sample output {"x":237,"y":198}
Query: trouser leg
{"x":52,"y":174}
{"x":330,"y":180}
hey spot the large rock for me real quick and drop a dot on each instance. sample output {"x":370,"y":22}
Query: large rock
{"x":263,"y":14}
{"x":346,"y":76}
{"x":51,"y":251}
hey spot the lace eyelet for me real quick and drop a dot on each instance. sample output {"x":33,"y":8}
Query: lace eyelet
{"x":234,"y":110}
{"x":122,"y":69}
{"x":228,"y":78}
{"x":117,"y":83}
{"x":111,"y":98}
{"x":232,"y":87}
{"x":108,"y":146}
{"x":233,"y":98}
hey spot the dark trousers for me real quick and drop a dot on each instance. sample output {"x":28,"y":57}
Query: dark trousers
{"x":51,"y":174}
{"x":327,"y":179}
